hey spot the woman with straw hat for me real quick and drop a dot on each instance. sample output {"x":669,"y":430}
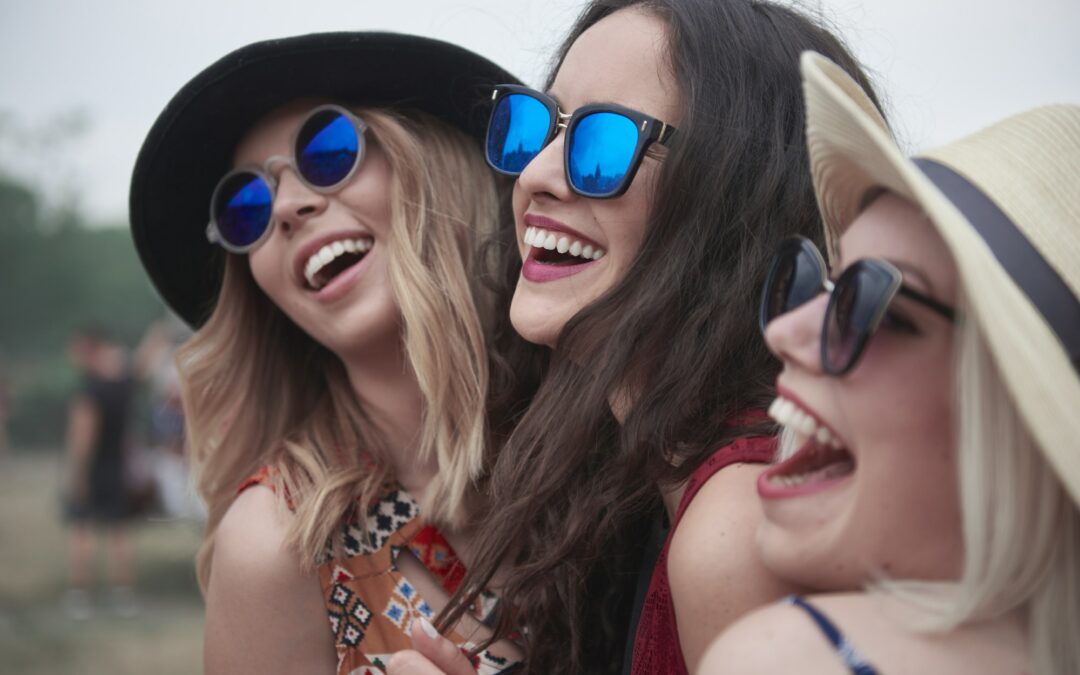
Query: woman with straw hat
{"x":340,"y":365}
{"x":930,"y":392}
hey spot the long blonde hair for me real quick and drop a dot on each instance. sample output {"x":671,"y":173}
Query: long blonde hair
{"x":1021,"y":528}
{"x":259,"y":392}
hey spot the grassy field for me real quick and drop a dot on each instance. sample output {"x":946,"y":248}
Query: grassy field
{"x":37,"y":637}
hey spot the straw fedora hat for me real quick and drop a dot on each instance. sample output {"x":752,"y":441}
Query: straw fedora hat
{"x":190,"y":146}
{"x":1007,"y":203}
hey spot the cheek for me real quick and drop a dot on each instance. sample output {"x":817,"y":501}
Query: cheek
{"x":263,"y":264}
{"x":368,"y":195}
{"x":903,"y":387}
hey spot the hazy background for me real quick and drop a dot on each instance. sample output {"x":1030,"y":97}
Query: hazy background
{"x":101,"y":72}
{"x":80,"y":85}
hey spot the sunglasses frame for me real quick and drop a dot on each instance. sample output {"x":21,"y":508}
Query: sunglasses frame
{"x":265,"y":173}
{"x":649,"y":131}
{"x":884,"y":269}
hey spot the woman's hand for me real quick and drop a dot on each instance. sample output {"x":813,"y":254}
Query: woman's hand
{"x":433,"y":654}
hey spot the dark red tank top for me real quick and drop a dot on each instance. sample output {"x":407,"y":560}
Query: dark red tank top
{"x":656,"y":641}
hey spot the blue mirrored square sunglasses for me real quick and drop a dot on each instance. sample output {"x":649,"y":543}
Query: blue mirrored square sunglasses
{"x":604,"y":142}
{"x":327,"y":149}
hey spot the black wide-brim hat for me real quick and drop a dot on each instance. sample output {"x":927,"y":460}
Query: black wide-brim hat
{"x":191,"y":145}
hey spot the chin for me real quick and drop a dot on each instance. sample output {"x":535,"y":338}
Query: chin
{"x":535,"y":325}
{"x":803,"y":564}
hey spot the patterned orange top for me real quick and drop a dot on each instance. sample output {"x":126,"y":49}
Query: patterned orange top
{"x":370,"y":604}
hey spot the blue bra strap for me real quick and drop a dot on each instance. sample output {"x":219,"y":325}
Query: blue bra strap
{"x":851,"y":658}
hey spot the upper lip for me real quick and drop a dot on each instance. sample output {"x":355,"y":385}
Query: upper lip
{"x":552,"y":225}
{"x":313,"y":245}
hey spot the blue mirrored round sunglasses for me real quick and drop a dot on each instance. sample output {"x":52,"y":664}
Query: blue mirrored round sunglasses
{"x":326,"y":152}
{"x":604,"y":143}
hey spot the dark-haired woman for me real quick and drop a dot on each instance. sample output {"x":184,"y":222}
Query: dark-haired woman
{"x":642,"y":245}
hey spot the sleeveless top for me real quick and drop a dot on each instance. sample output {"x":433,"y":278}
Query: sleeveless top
{"x":844,"y":649}
{"x":369,"y":603}
{"x":656,"y":641}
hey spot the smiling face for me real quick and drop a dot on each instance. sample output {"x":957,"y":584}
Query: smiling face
{"x":621,"y":59}
{"x":885,"y":497}
{"x":324,"y":262}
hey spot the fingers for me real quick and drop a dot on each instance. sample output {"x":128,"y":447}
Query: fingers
{"x":433,"y":654}
{"x":411,"y":662}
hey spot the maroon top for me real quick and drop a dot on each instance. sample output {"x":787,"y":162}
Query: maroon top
{"x":656,"y":642}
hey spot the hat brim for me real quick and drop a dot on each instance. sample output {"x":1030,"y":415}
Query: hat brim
{"x":191,"y":144}
{"x":851,"y":152}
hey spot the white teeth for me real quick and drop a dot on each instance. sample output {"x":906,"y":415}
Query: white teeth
{"x":822,"y":435}
{"x":330,"y":252}
{"x":540,"y":238}
{"x":790,"y":415}
{"x":774,"y":406}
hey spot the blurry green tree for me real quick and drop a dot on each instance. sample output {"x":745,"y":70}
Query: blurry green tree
{"x":56,"y":274}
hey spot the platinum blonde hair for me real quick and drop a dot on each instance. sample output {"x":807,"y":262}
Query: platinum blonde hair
{"x":1021,"y":529}
{"x":259,"y":392}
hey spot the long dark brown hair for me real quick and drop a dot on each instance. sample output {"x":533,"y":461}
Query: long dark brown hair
{"x":570,"y":486}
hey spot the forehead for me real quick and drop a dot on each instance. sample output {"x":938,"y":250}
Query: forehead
{"x":622,"y":59}
{"x":897,"y":230}
{"x":273,"y":133}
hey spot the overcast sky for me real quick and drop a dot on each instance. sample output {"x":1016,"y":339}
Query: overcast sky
{"x":92,"y":77}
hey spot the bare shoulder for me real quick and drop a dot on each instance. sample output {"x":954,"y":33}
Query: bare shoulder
{"x":778,"y":638}
{"x":250,"y":538}
{"x":876,"y":630}
{"x":263,"y":612}
{"x":714,"y":570}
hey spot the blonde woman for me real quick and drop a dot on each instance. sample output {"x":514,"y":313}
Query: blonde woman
{"x":336,"y":387}
{"x":930,"y":391}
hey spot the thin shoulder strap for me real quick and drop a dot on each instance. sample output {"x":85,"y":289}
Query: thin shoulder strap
{"x":851,"y":658}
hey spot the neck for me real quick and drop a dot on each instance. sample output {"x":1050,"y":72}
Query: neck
{"x":386,"y":387}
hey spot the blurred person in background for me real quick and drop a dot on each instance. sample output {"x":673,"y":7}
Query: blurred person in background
{"x":155,"y":362}
{"x":95,"y":493}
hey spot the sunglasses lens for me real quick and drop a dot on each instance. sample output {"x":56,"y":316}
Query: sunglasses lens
{"x":795,"y":279}
{"x":327,"y":148}
{"x":242,"y":208}
{"x":853,"y":309}
{"x":601,"y":149}
{"x":517,"y":131}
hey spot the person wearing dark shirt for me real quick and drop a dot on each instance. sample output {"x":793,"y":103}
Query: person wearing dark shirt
{"x":95,"y":494}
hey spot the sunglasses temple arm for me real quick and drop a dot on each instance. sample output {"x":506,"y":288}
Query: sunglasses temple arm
{"x":212,"y":234}
{"x":667,"y":132}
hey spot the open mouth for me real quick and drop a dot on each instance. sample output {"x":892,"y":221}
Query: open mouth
{"x":334,"y":258}
{"x":821,"y":458}
{"x":558,"y":248}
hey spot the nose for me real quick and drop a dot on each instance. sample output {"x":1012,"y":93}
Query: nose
{"x":544,"y":177}
{"x":795,"y":337}
{"x":295,"y":203}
